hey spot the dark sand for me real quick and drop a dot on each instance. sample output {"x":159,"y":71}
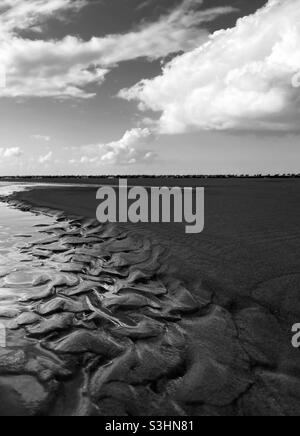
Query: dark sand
{"x":236,"y":287}
{"x":251,"y":235}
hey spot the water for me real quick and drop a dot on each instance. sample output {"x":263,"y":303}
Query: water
{"x":18,"y":269}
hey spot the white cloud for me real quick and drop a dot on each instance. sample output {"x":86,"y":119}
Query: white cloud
{"x":46,"y":158}
{"x":63,"y":68}
{"x":50,"y":68}
{"x":19,"y":14}
{"x":131,"y":149}
{"x":126,"y":150}
{"x":8,"y":153}
{"x":240,"y":79}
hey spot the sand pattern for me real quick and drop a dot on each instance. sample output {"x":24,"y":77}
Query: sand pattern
{"x":98,"y":324}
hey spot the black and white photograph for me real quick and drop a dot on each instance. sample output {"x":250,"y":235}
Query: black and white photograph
{"x":149,"y":211}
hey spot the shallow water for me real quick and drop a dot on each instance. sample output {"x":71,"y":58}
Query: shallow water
{"x":17,"y":269}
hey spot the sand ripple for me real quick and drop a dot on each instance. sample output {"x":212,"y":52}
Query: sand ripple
{"x":98,"y":325}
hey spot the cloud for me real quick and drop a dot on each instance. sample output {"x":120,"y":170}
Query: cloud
{"x":64,"y":68}
{"x":126,"y":151}
{"x":131,"y":149}
{"x":46,"y":158}
{"x":19,"y":14}
{"x":50,"y":69}
{"x":8,"y":153}
{"x":240,"y":79}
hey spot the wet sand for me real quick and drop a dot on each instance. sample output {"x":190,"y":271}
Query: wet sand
{"x":145,"y":320}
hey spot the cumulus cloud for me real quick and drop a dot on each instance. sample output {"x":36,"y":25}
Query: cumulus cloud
{"x":126,"y":150}
{"x":131,"y":149}
{"x":63,"y":68}
{"x":49,"y":69}
{"x":240,"y":79}
{"x":8,"y":153}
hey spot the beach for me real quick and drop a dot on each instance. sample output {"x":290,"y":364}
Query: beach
{"x":143,"y":319}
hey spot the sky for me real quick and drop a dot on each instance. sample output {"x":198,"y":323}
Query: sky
{"x":102,"y":87}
